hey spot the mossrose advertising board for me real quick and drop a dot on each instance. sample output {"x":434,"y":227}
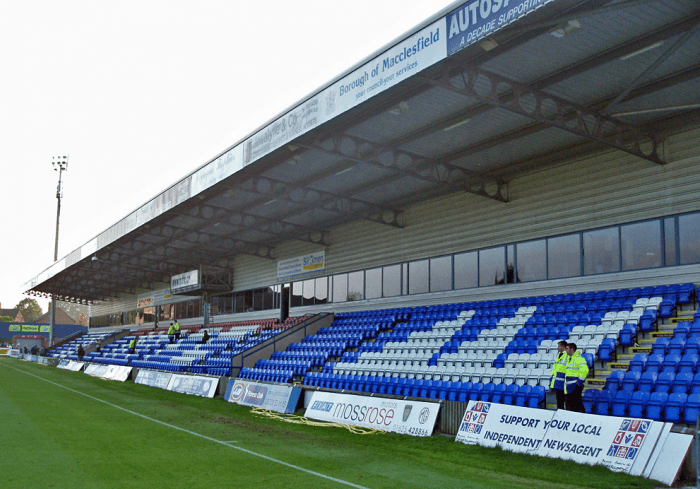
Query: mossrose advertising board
{"x":278,"y":398}
{"x":397,"y":416}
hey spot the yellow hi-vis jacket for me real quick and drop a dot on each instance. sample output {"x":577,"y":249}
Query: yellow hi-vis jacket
{"x":171,"y":329}
{"x":176,"y":326}
{"x":132,"y":344}
{"x":576,"y":372}
{"x":559,"y":372}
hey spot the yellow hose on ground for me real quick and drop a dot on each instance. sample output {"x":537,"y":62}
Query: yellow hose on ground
{"x":293,"y":418}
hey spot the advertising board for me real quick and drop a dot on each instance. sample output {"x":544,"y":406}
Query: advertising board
{"x":513,"y":428}
{"x":278,"y":398}
{"x":153,"y":378}
{"x":398,"y":416}
{"x":194,"y":385}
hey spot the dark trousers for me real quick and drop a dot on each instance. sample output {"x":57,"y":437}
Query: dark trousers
{"x":574,"y":402}
{"x":560,"y":398}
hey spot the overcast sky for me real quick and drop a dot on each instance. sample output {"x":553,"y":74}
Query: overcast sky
{"x":139,"y":94}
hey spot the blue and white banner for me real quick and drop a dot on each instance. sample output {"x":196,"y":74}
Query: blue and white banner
{"x":305,"y":266}
{"x":404,"y":417}
{"x":617,"y":443}
{"x":153,"y":378}
{"x":478,"y":19}
{"x":194,"y":385}
{"x":590,"y":439}
{"x":278,"y":398}
{"x":513,"y":428}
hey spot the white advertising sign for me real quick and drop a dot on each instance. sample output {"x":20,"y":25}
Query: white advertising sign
{"x":513,"y":428}
{"x":194,"y":385}
{"x":153,"y":378}
{"x":397,"y":416}
{"x":301,"y":266}
{"x":586,"y":438}
{"x":184,"y":280}
{"x":278,"y":398}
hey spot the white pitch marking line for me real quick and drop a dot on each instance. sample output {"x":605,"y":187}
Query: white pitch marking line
{"x":291,"y":466}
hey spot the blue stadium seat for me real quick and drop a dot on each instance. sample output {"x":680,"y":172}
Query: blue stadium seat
{"x":618,"y":406}
{"x":487,"y":392}
{"x":498,"y":391}
{"x":692,"y":409}
{"x":637,"y":404}
{"x":655,"y":405}
{"x":647,"y":381}
{"x":688,"y":363}
{"x":522,"y":395}
{"x":654,"y":362}
{"x":639,"y":362}
{"x":589,"y":398}
{"x":671,"y":362}
{"x":673,"y":411}
{"x":681,"y":384}
{"x":630,"y":380}
{"x":614,"y":380}
{"x":536,"y":397}
{"x":509,"y":394}
{"x":664,"y":382}
{"x":602,"y":403}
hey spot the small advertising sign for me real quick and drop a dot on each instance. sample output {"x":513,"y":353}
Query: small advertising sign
{"x":278,"y":398}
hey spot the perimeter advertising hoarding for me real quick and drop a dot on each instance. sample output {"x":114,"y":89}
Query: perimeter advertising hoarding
{"x":617,"y":443}
{"x":404,"y":417}
{"x":153,"y":378}
{"x":109,"y":372}
{"x":278,"y":398}
{"x":586,"y":438}
{"x":513,"y":428}
{"x":194,"y":385}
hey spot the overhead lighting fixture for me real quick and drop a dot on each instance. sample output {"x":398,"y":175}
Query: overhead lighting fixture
{"x":345,"y":170}
{"x":399,"y":109}
{"x":565,"y":29}
{"x":488,"y":44}
{"x":457,"y":124}
{"x":640,"y":51}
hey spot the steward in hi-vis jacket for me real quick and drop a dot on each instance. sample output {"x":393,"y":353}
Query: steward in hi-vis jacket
{"x":559,"y":374}
{"x":576,"y":373}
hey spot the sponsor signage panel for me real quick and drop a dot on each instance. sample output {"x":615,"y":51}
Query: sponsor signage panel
{"x":397,"y":416}
{"x":194,"y":385}
{"x":513,"y":428}
{"x":153,"y":378}
{"x":185,"y":281}
{"x":278,"y":398}
{"x":4,"y":351}
{"x":301,"y":266}
{"x":478,"y":19}
{"x":586,"y":438}
{"x":96,"y":369}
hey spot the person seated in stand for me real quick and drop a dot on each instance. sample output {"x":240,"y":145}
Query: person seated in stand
{"x":81,"y":352}
{"x":205,"y":337}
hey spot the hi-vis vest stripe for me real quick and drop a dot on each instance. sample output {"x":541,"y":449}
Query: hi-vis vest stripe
{"x":559,"y":372}
{"x":576,"y":369}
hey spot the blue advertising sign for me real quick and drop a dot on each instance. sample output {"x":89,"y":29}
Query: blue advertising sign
{"x":478,"y":19}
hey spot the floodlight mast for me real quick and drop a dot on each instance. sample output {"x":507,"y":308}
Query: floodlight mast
{"x":60,"y":164}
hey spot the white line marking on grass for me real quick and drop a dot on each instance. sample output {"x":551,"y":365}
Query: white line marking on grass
{"x":227,"y":444}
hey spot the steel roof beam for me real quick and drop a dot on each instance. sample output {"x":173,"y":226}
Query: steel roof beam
{"x":326,"y":201}
{"x":359,"y":150}
{"x":547,"y":109}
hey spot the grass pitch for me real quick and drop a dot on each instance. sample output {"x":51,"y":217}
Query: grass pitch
{"x":65,"y":430}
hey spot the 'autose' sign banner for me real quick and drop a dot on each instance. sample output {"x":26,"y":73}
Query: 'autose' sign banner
{"x":478,"y":19}
{"x":397,"y":416}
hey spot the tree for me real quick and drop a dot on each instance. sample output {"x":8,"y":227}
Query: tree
{"x":30,"y":309}
{"x":6,"y":319}
{"x":72,"y":309}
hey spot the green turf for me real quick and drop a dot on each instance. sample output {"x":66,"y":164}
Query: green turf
{"x":56,"y":437}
